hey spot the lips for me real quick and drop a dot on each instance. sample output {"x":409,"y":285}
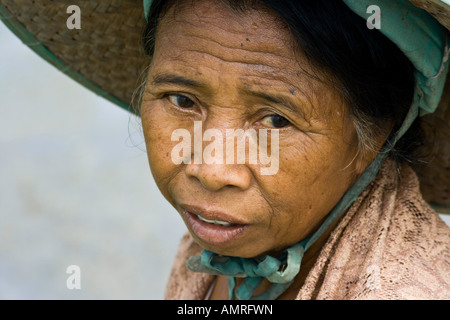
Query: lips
{"x":212,"y":227}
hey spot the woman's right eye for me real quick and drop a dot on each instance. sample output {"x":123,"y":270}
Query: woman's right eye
{"x":181,"y":101}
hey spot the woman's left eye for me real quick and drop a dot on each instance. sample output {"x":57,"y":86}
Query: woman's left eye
{"x":276,"y":121}
{"x":181,"y":101}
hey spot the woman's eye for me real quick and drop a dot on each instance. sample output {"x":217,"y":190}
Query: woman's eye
{"x":275,"y":121}
{"x":181,"y":101}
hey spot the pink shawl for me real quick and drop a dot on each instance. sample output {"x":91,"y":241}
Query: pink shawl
{"x":389,"y":245}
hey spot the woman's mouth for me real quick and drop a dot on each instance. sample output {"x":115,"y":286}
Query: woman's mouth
{"x":213,"y":229}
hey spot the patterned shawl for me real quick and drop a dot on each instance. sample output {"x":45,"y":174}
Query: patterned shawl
{"x":390,"y":244}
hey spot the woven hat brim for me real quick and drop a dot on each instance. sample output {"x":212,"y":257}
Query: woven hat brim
{"x":106,"y":56}
{"x":434,"y":172}
{"x":437,"y":8}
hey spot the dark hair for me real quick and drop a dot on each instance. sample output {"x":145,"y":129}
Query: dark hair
{"x":374,"y":76}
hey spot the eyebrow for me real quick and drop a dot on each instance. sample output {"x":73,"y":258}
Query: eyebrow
{"x":167,"y":78}
{"x":279,"y":99}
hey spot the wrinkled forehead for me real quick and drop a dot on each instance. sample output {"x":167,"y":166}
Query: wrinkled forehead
{"x":235,"y":17}
{"x":250,"y":29}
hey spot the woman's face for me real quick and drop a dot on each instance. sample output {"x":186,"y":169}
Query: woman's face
{"x":226,"y":71}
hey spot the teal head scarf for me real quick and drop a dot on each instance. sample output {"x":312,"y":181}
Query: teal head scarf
{"x":426,"y":43}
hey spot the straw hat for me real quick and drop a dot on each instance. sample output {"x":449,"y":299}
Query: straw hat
{"x":435,"y":176}
{"x":106,"y":56}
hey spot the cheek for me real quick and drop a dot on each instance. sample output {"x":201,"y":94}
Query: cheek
{"x":158,"y":128}
{"x":308,"y":185}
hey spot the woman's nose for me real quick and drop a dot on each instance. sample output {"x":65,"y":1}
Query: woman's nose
{"x":214,"y":177}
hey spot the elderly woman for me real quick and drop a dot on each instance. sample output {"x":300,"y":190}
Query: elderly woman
{"x":332,"y":90}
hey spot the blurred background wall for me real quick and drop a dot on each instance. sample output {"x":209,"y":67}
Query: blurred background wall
{"x":75,"y":189}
